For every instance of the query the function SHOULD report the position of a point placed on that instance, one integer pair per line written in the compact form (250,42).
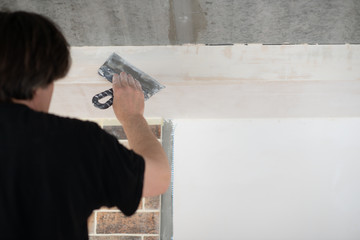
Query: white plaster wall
(267,179)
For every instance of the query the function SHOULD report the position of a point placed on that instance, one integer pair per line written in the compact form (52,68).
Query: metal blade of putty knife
(115,65)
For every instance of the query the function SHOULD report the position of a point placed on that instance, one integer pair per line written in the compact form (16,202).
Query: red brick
(151,238)
(139,223)
(152,202)
(114,238)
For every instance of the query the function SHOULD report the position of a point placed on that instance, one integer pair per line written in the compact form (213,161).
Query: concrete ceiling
(173,22)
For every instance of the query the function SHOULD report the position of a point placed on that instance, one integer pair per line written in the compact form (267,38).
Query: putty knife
(116,64)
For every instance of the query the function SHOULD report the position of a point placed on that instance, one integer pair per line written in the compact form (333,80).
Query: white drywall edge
(224,81)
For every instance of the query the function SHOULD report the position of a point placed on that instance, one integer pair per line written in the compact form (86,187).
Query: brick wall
(110,223)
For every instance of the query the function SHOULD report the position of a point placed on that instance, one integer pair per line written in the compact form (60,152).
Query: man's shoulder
(75,125)
(18,116)
(20,123)
(69,120)
(79,137)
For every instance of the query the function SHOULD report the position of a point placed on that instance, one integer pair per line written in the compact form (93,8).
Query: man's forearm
(129,109)
(144,143)
(141,139)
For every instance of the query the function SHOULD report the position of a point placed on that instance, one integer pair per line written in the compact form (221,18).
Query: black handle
(101,95)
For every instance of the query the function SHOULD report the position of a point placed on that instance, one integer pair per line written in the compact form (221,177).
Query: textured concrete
(163,22)
(99,23)
(281,21)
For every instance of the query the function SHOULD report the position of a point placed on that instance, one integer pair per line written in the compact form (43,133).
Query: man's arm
(128,106)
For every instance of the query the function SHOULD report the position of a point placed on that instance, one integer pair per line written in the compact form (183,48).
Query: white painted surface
(225,81)
(267,179)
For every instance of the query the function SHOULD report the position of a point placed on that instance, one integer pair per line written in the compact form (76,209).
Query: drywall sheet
(259,179)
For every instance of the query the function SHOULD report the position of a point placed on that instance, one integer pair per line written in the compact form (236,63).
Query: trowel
(115,65)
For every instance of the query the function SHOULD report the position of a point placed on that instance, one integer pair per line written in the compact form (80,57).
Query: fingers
(126,80)
(116,80)
(138,85)
(131,81)
(134,83)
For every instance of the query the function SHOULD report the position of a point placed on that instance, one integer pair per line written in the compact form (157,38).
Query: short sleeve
(121,174)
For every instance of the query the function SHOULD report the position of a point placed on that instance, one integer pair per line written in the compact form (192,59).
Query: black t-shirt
(54,171)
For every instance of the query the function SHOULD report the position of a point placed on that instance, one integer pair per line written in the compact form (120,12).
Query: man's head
(33,54)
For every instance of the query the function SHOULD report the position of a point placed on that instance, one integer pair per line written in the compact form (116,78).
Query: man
(55,171)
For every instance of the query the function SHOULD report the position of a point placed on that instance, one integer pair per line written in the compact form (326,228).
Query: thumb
(116,80)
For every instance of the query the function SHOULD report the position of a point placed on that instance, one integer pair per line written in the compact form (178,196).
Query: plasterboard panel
(267,179)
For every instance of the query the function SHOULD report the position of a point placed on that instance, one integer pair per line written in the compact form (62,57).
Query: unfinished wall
(240,81)
(296,153)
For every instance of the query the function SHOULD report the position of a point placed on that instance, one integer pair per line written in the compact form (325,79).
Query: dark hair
(33,54)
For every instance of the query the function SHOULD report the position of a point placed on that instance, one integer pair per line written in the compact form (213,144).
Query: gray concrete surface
(281,21)
(163,22)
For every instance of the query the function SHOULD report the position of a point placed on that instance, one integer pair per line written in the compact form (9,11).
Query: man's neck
(27,103)
(41,99)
